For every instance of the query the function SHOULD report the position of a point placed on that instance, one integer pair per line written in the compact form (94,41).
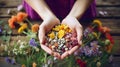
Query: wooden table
(108,11)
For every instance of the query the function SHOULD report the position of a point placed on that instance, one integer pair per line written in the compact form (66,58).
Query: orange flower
(23,65)
(34,64)
(109,48)
(35,28)
(11,23)
(21,16)
(104,29)
(14,18)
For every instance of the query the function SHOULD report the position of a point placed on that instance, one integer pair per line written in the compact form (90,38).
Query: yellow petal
(51,35)
(61,33)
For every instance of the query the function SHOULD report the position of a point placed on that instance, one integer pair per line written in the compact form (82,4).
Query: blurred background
(108,11)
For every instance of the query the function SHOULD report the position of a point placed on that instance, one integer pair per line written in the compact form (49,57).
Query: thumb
(79,35)
(41,35)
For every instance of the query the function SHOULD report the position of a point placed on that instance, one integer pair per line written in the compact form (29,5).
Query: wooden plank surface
(10,3)
(102,12)
(108,2)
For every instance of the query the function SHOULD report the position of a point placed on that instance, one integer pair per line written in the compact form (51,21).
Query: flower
(107,42)
(0,30)
(98,22)
(98,64)
(23,65)
(24,25)
(95,34)
(10,60)
(104,29)
(109,48)
(51,35)
(32,42)
(87,31)
(22,28)
(81,63)
(35,28)
(11,23)
(14,18)
(108,36)
(111,58)
(20,7)
(61,33)
(21,16)
(34,64)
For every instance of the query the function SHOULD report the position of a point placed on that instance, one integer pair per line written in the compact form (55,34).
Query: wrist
(51,18)
(74,16)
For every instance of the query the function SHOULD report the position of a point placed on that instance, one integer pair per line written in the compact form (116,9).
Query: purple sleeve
(61,8)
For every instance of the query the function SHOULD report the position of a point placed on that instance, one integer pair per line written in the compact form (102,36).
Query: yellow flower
(21,29)
(95,34)
(68,30)
(61,33)
(24,25)
(34,64)
(98,64)
(62,27)
(51,35)
(98,22)
(55,29)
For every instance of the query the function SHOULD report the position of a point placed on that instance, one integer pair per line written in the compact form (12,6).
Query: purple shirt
(61,8)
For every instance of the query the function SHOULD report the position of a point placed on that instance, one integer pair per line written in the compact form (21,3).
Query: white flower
(6,48)
(19,41)
(22,46)
(37,49)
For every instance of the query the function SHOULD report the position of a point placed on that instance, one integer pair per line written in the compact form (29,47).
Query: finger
(45,48)
(55,54)
(41,35)
(79,34)
(65,54)
(73,50)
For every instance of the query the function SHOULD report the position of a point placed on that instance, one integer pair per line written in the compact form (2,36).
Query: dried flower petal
(51,35)
(61,33)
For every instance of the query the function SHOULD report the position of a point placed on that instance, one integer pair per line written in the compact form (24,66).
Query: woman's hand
(76,27)
(44,28)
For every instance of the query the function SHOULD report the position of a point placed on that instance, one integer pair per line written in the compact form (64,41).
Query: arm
(77,11)
(49,20)
(41,8)
(79,8)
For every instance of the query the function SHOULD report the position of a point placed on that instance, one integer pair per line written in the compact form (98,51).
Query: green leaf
(9,32)
(1,22)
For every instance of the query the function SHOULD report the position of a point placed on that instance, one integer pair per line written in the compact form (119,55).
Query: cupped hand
(44,28)
(76,27)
